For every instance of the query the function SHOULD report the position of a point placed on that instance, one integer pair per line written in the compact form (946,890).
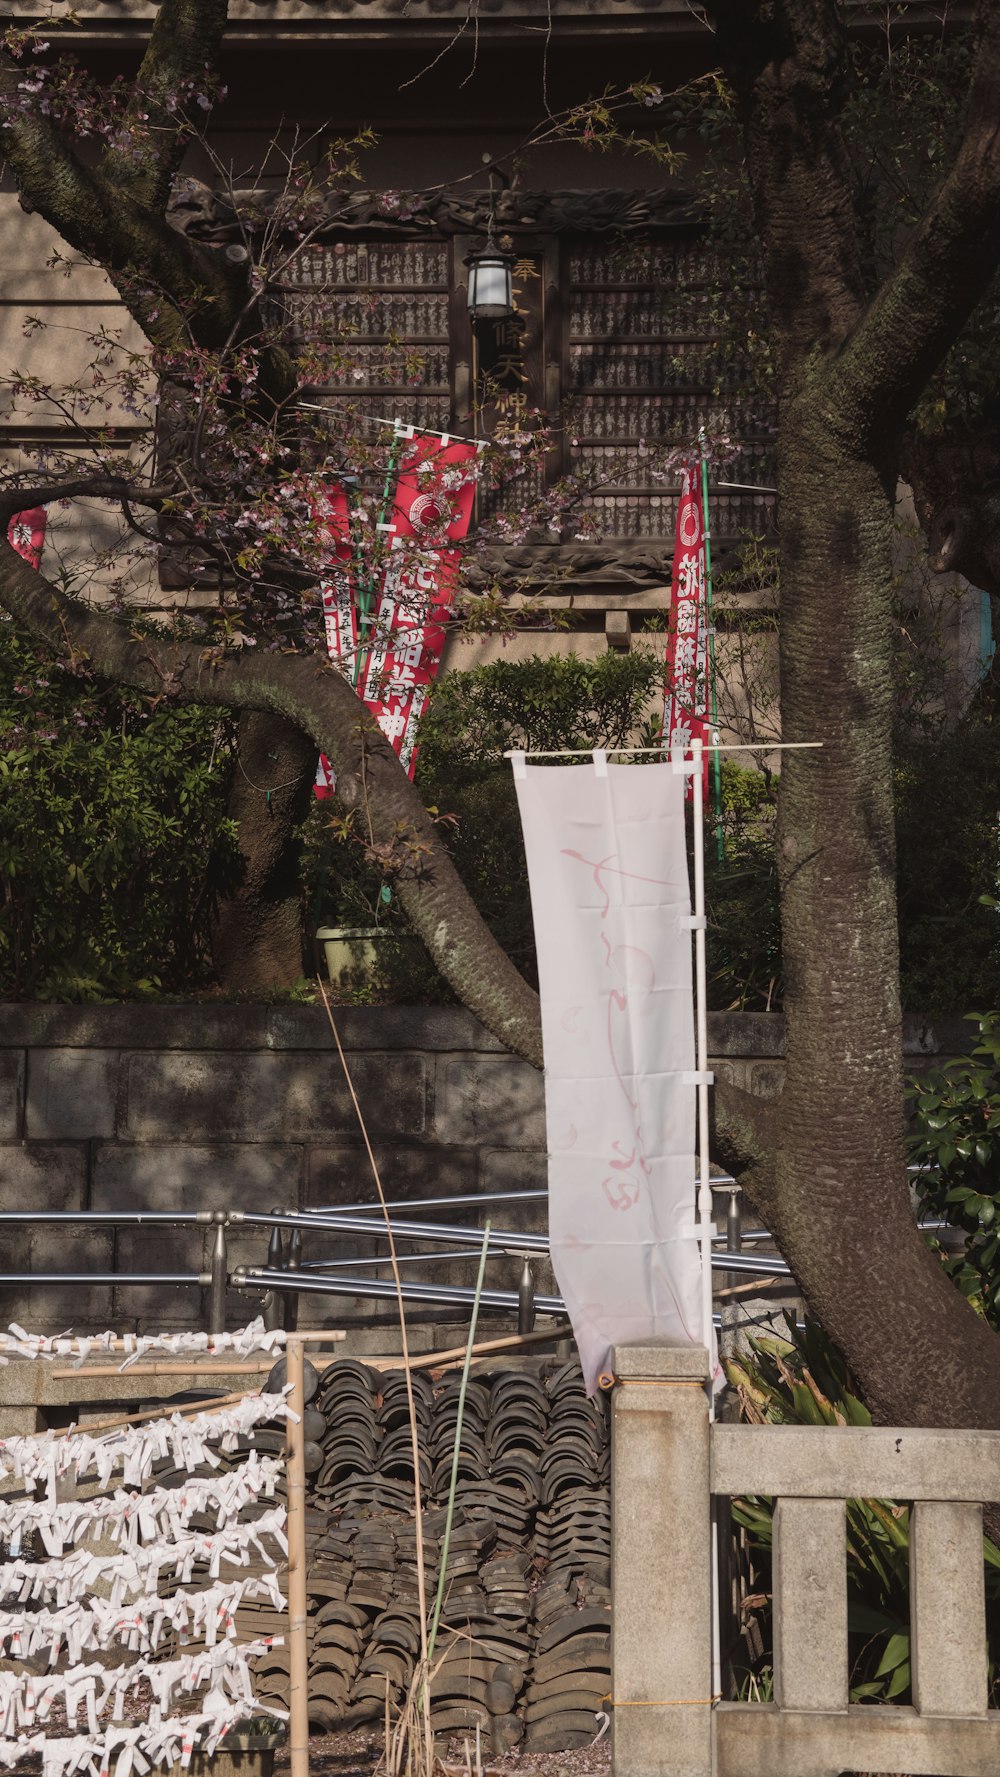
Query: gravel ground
(360,1753)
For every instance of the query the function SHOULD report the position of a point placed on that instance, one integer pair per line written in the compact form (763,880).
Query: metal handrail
(107,1278)
(132,1218)
(285,1275)
(385,1289)
(445,1232)
(215,1279)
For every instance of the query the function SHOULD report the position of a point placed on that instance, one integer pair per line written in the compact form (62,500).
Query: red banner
(686,694)
(336,591)
(26,534)
(430,514)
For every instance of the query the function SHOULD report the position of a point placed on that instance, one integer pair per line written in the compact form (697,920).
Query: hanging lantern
(491,283)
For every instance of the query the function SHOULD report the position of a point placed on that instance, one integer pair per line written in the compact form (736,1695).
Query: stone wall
(245,1106)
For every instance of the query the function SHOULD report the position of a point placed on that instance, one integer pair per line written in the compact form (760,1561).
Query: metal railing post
(220,1274)
(293,1262)
(734,1221)
(526,1299)
(274,1303)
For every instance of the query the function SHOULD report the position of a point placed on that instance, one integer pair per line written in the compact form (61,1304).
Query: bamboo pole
(744,1289)
(246,1367)
(432,1360)
(298,1643)
(164,1411)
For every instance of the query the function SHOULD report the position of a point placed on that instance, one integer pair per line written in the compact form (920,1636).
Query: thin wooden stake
(298,1633)
(215,1404)
(418,1509)
(433,1360)
(217,1367)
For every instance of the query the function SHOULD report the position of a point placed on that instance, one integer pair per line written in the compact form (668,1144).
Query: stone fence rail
(667,1463)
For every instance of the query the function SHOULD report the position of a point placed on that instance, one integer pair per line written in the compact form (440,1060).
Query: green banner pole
(720,843)
(365,588)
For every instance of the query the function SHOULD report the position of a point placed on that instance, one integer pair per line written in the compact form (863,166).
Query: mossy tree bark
(832,1179)
(257,940)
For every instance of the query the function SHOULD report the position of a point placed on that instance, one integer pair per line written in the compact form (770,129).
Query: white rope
(26,1698)
(95,1623)
(164,1513)
(254,1337)
(60,1580)
(131,1748)
(43,1459)
(155,1540)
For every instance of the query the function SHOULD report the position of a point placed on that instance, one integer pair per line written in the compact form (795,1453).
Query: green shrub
(114,840)
(955,1140)
(471,719)
(548,705)
(947,818)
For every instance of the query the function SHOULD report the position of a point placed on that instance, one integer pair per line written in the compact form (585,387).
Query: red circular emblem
(425,511)
(690,523)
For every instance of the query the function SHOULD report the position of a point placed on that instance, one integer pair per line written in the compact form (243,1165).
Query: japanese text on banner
(430,515)
(686,693)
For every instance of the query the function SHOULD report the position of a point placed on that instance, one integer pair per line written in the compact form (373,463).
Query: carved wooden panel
(376,315)
(615,340)
(643,370)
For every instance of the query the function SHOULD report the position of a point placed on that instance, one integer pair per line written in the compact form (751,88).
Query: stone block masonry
(245,1107)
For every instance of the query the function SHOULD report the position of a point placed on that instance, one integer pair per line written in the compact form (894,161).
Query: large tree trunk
(257,936)
(851,362)
(841,1209)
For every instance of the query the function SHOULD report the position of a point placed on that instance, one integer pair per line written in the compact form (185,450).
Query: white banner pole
(706,1217)
(298,1645)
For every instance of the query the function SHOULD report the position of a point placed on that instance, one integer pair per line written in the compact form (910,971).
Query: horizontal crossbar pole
(447,1234)
(132,1218)
(855,1462)
(31,1279)
(474,1198)
(510,1240)
(446,1295)
(760,1740)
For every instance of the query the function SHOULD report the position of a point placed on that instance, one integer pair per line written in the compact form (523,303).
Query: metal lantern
(491,284)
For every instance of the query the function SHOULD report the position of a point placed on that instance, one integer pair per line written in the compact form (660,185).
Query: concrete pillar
(947,1609)
(661,1562)
(810,1604)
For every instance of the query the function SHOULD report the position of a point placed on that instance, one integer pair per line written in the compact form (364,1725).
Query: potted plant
(351,954)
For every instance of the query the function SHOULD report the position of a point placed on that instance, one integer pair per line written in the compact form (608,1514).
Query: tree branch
(787,64)
(947,267)
(181,56)
(313,696)
(743,1139)
(95,487)
(184,289)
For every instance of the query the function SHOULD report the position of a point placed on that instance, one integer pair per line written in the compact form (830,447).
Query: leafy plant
(955,1140)
(548,705)
(114,840)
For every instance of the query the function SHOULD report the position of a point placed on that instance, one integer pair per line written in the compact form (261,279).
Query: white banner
(607,865)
